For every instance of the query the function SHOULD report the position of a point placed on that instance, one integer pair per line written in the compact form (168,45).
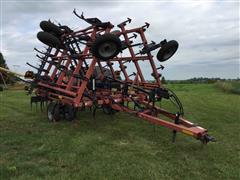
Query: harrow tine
(161,67)
(145,26)
(44,53)
(133,74)
(39,51)
(31,65)
(44,70)
(125,62)
(51,62)
(133,36)
(138,44)
(40,57)
(124,23)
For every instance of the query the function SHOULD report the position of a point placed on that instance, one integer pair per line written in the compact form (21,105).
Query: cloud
(207,32)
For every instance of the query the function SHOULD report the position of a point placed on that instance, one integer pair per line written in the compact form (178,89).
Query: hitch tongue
(207,138)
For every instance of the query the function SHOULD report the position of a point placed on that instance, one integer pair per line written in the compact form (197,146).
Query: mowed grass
(120,146)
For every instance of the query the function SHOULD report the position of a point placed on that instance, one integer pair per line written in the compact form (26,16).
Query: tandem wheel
(57,112)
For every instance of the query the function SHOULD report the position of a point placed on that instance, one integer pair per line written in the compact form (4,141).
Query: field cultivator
(88,68)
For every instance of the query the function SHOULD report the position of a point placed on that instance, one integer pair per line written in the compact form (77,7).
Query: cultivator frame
(78,70)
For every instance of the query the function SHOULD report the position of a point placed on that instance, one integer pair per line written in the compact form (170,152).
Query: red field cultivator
(88,68)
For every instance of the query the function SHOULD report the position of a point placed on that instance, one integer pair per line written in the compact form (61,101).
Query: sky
(207,31)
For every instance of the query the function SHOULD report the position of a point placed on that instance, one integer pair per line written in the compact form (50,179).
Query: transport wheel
(106,46)
(49,39)
(108,110)
(29,75)
(167,50)
(53,112)
(51,28)
(69,112)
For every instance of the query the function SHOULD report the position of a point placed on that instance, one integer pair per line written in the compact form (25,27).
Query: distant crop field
(120,146)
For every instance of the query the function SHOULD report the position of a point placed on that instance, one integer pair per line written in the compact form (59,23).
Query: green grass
(120,146)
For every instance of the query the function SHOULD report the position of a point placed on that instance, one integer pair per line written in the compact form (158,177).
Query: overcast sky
(207,31)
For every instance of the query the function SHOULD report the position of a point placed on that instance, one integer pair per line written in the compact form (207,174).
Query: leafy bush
(229,86)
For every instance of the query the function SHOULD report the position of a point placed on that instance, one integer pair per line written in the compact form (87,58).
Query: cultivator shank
(101,67)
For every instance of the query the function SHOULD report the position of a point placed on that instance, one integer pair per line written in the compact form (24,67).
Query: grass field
(120,146)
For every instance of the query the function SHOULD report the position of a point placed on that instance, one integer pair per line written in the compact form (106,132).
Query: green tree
(3,61)
(3,78)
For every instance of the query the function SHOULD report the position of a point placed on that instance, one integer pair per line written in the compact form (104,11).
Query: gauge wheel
(69,113)
(167,50)
(50,27)
(49,39)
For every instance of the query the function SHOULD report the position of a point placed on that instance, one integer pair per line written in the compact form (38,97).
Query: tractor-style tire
(53,112)
(51,28)
(49,39)
(167,50)
(106,46)
(108,110)
(69,113)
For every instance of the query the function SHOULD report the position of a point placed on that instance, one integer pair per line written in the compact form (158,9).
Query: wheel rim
(50,111)
(50,115)
(107,49)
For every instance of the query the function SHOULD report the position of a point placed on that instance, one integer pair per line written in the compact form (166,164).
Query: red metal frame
(67,87)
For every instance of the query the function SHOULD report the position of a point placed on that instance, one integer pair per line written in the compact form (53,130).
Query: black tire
(106,46)
(51,28)
(69,113)
(53,112)
(57,113)
(49,39)
(29,75)
(167,50)
(108,110)
(116,32)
